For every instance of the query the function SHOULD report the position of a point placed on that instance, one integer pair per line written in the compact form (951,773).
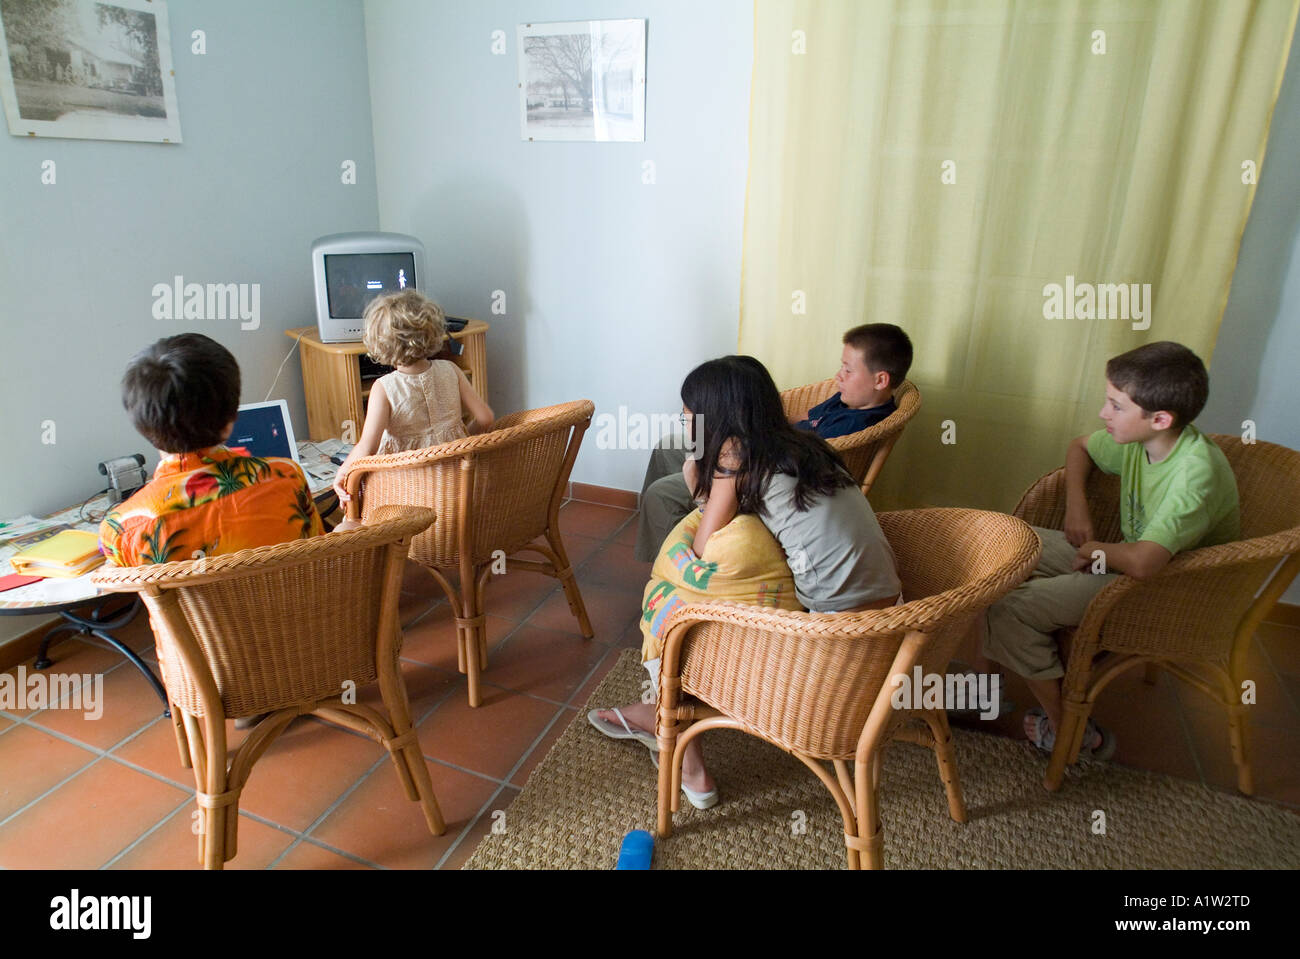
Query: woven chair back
(808,681)
(512,475)
(857,450)
(278,625)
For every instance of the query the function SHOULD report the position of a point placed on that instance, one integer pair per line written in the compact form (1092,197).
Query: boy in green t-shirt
(1177,492)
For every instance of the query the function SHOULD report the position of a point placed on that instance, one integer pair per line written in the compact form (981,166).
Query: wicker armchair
(281,630)
(818,684)
(495,494)
(864,452)
(1200,611)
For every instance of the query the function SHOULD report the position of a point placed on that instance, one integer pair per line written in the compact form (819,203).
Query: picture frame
(582,80)
(88,69)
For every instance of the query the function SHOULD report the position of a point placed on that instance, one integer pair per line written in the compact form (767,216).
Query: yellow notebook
(66,554)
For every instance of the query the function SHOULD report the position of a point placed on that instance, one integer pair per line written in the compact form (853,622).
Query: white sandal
(699,800)
(625,731)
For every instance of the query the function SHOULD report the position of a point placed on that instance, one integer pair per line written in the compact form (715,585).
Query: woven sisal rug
(774,814)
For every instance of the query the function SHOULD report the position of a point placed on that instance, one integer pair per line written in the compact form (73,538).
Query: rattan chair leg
(570,584)
(210,777)
(419,771)
(666,734)
(945,756)
(468,638)
(870,831)
(178,727)
(1069,740)
(1237,736)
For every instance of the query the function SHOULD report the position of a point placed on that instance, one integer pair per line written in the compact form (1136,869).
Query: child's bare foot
(639,716)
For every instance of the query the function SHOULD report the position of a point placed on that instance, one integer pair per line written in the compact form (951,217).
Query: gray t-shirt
(837,552)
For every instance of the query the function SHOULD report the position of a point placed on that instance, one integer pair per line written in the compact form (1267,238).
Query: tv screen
(354,279)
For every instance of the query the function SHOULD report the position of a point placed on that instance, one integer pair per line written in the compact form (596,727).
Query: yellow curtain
(940,165)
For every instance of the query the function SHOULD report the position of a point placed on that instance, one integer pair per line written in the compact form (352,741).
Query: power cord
(282,363)
(81,513)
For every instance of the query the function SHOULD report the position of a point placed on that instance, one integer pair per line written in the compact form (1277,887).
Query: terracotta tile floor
(111,793)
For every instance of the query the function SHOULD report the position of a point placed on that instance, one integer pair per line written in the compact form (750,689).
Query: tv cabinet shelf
(331,378)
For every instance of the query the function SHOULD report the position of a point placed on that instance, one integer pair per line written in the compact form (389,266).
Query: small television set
(351,269)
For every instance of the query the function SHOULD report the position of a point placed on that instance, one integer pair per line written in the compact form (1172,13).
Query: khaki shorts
(664,500)
(1021,626)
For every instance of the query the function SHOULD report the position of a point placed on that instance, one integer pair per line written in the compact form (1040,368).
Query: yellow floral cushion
(742,563)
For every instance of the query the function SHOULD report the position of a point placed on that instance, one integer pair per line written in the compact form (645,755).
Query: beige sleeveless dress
(425,408)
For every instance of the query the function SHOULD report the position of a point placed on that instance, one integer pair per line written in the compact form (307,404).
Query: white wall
(267,116)
(615,289)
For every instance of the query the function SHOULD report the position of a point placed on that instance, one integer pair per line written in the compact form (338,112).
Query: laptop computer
(264,429)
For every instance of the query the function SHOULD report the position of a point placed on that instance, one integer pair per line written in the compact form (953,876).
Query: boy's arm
(1140,560)
(1178,522)
(471,401)
(1078,464)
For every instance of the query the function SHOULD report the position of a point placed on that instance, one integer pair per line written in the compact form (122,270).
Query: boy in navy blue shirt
(873,363)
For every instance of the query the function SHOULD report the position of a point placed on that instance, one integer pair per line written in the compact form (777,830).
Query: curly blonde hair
(403,328)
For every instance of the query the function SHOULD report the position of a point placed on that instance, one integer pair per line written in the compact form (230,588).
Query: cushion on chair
(742,563)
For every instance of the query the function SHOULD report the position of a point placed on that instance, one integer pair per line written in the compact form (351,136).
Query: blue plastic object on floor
(638,847)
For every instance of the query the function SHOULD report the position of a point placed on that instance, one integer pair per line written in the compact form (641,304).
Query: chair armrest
(1154,592)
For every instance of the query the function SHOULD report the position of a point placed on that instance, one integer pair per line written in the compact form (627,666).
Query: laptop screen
(264,429)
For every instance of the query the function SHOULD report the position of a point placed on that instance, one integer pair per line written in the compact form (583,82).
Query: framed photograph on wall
(89,69)
(582,80)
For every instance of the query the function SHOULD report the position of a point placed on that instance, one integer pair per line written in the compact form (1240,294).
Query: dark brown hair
(883,346)
(1162,376)
(182,392)
(734,398)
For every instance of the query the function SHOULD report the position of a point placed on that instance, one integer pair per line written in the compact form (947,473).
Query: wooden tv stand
(331,378)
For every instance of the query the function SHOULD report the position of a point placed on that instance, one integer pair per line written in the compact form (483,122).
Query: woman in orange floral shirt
(204,500)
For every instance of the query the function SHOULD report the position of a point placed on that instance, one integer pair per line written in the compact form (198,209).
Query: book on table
(69,553)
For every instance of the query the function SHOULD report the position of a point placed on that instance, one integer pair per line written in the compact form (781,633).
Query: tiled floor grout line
(149,832)
(51,671)
(319,844)
(469,827)
(63,782)
(535,743)
(330,809)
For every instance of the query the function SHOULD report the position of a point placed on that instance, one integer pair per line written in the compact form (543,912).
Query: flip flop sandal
(699,800)
(1040,732)
(1038,729)
(1105,747)
(623,731)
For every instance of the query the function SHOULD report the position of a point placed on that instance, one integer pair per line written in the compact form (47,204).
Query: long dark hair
(734,398)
